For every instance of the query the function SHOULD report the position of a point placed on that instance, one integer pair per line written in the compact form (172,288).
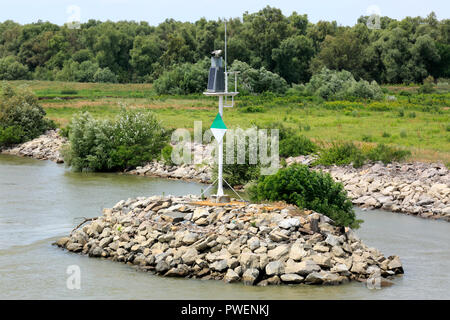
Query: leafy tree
(263,31)
(406,50)
(11,69)
(292,58)
(341,52)
(21,116)
(146,51)
(183,79)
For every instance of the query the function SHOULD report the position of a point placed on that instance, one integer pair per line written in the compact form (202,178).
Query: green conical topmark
(218,123)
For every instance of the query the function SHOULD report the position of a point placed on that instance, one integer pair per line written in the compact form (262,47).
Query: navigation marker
(218,128)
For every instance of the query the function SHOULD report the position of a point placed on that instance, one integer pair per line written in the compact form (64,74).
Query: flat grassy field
(418,122)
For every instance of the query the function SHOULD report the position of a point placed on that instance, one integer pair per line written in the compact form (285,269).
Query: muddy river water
(41,201)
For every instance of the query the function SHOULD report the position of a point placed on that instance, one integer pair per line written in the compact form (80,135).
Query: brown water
(41,201)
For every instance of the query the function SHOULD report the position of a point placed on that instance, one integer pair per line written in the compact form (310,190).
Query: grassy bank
(419,122)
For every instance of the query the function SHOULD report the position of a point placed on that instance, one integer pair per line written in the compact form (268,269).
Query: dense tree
(11,69)
(268,41)
(341,52)
(145,53)
(292,58)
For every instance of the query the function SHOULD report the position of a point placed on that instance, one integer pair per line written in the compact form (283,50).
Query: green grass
(425,134)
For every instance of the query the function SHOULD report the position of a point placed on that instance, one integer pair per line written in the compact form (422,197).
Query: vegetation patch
(22,118)
(131,139)
(317,191)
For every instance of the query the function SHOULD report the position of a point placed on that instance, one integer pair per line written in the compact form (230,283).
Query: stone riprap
(421,189)
(44,147)
(257,244)
(200,172)
(189,172)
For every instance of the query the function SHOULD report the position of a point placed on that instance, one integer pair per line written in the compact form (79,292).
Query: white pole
(220,179)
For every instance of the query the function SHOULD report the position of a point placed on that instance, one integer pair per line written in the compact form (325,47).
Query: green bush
(341,85)
(166,155)
(11,135)
(308,189)
(105,75)
(387,154)
(342,154)
(296,145)
(258,81)
(427,86)
(76,71)
(21,115)
(131,139)
(11,69)
(184,79)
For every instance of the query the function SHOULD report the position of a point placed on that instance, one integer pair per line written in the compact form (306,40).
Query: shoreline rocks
(44,147)
(420,189)
(189,172)
(233,242)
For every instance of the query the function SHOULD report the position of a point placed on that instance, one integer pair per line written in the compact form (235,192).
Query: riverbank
(258,244)
(420,189)
(44,147)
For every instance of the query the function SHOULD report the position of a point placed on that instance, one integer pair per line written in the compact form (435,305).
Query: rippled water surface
(41,201)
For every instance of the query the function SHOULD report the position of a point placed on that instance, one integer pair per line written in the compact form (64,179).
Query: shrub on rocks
(296,145)
(349,153)
(341,154)
(292,144)
(22,118)
(308,189)
(130,140)
(387,154)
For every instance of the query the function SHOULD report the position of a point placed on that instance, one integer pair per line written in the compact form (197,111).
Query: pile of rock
(421,189)
(258,244)
(189,172)
(44,147)
(415,188)
(199,171)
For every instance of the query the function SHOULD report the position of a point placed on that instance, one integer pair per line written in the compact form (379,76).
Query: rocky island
(257,244)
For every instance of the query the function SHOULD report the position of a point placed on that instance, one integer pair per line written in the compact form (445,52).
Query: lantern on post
(218,86)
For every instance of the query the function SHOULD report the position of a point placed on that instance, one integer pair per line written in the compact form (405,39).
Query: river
(41,201)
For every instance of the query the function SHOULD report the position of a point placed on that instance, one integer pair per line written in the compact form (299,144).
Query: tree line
(292,47)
